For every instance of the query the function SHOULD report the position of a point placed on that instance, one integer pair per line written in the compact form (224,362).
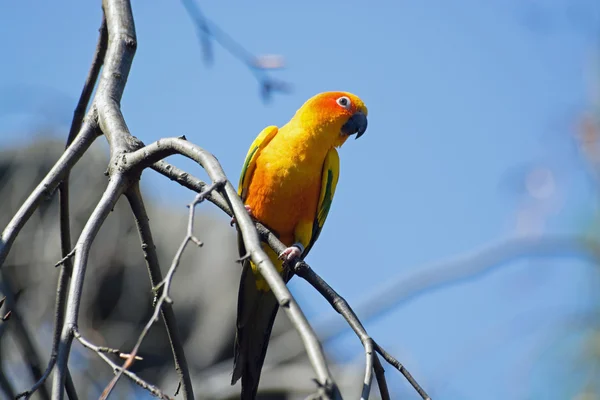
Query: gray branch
(48,185)
(117,369)
(141,217)
(115,189)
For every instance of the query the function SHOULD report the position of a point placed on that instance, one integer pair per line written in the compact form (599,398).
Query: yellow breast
(285,186)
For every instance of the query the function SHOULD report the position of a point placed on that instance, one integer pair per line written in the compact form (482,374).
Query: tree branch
(380,376)
(116,186)
(370,355)
(49,184)
(164,285)
(190,182)
(117,369)
(122,44)
(205,30)
(142,221)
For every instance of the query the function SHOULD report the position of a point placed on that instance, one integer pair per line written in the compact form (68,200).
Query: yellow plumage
(288,180)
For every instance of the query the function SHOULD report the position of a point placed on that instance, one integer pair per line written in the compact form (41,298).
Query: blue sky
(463,97)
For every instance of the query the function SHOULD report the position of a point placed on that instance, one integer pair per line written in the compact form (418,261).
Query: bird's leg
(233,221)
(292,253)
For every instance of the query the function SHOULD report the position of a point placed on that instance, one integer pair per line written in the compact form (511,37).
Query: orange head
(337,115)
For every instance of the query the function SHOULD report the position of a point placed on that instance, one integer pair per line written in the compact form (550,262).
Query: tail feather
(255,317)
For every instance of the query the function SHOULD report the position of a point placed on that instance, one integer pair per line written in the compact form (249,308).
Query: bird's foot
(233,221)
(292,253)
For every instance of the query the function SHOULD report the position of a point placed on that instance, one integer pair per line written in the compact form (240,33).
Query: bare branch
(90,82)
(370,355)
(49,184)
(341,306)
(164,286)
(396,364)
(117,369)
(141,217)
(116,186)
(381,382)
(190,182)
(206,30)
(122,44)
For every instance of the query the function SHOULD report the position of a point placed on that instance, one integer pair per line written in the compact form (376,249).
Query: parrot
(287,183)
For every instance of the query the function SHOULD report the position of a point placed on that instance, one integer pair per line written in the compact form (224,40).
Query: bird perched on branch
(287,183)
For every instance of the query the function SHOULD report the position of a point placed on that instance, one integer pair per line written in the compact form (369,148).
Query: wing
(329,180)
(259,143)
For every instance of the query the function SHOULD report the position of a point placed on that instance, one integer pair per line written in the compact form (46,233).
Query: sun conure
(287,183)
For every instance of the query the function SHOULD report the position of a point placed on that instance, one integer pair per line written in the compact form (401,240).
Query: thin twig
(380,376)
(117,369)
(116,186)
(165,285)
(190,182)
(396,364)
(110,350)
(138,208)
(342,307)
(206,29)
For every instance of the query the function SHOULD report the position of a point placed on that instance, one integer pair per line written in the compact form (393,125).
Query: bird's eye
(344,102)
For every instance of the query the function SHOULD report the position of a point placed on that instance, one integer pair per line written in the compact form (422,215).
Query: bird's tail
(255,317)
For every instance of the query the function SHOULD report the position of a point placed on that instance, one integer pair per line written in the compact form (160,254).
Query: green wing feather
(329,180)
(259,143)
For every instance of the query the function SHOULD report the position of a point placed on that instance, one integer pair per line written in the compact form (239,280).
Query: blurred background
(474,258)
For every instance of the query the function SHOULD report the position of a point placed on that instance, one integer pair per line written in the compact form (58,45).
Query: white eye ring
(344,102)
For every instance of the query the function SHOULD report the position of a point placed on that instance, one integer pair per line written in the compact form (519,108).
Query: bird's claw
(233,221)
(291,253)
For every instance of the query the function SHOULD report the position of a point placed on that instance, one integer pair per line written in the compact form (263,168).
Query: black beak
(356,124)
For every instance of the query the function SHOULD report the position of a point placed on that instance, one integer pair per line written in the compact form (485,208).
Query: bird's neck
(306,145)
